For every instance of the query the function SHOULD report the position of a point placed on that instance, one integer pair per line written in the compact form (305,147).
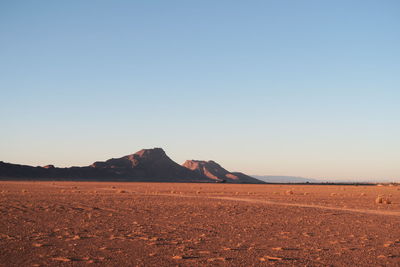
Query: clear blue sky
(308,88)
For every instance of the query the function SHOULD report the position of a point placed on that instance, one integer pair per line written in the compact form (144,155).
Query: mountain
(214,171)
(147,165)
(285,179)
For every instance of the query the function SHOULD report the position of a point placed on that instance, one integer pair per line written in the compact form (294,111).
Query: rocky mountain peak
(153,153)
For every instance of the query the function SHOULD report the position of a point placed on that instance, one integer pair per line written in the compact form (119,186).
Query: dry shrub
(121,191)
(379,200)
(383,199)
(289,192)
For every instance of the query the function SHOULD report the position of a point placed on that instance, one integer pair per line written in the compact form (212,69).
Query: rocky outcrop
(49,166)
(214,171)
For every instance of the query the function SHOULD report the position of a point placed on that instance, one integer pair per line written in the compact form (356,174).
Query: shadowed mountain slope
(151,164)
(214,171)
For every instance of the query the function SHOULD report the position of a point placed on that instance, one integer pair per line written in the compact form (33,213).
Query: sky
(306,88)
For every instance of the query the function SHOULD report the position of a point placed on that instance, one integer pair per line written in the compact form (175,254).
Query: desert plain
(178,224)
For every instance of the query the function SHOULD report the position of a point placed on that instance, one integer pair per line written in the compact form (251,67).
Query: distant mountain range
(150,165)
(285,179)
(275,179)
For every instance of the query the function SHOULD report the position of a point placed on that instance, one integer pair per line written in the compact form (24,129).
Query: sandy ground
(165,224)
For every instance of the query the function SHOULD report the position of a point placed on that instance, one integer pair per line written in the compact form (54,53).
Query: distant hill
(214,171)
(152,165)
(285,179)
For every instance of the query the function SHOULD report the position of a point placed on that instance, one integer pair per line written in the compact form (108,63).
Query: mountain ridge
(214,171)
(146,165)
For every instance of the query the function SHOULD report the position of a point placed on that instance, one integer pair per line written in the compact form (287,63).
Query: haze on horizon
(308,88)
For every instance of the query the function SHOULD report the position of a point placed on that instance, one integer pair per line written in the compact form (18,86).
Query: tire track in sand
(299,205)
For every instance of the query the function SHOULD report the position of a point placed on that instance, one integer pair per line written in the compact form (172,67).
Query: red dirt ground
(164,224)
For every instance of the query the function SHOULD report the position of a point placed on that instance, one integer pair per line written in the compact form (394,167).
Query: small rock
(61,259)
